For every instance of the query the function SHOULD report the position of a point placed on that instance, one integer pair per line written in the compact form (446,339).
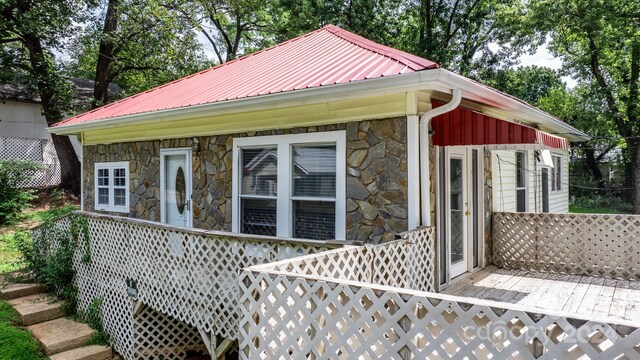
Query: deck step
(13,291)
(59,335)
(37,308)
(91,352)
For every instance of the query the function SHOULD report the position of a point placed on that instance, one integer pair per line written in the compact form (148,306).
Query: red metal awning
(467,127)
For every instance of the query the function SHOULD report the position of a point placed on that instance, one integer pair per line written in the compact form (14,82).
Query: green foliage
(50,256)
(600,204)
(530,83)
(155,45)
(10,256)
(15,343)
(93,317)
(14,199)
(599,44)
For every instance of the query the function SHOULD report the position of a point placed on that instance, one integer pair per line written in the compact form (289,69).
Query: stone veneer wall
(376,176)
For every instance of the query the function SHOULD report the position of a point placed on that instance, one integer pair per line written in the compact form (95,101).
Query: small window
(112,186)
(291,185)
(521,181)
(556,174)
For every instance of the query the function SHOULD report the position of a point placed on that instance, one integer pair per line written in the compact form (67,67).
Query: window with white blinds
(290,185)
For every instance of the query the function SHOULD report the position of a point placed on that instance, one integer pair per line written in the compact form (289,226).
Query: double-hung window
(521,181)
(556,174)
(112,186)
(290,185)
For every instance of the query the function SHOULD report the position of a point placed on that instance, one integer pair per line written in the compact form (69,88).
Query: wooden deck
(584,295)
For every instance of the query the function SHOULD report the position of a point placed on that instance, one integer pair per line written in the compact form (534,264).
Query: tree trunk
(106,56)
(49,84)
(592,166)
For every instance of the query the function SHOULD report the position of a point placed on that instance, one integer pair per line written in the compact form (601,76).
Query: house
(23,128)
(318,138)
(325,139)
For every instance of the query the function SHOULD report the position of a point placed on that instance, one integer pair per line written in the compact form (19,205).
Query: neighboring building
(320,137)
(23,128)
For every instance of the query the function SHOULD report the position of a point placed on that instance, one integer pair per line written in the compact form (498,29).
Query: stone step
(13,291)
(56,336)
(37,308)
(91,352)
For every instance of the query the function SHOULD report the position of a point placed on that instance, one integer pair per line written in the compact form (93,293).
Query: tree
(530,83)
(599,43)
(29,32)
(466,36)
(137,44)
(232,27)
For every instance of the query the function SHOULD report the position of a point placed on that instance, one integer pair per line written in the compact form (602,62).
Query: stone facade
(376,176)
(376,179)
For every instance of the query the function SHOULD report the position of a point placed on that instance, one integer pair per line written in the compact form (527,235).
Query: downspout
(425,176)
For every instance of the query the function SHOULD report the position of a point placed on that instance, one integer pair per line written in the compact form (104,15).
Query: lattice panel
(41,151)
(188,275)
(158,336)
(579,244)
(291,317)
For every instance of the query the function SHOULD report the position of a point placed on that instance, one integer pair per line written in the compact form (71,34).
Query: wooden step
(13,291)
(59,335)
(37,308)
(91,352)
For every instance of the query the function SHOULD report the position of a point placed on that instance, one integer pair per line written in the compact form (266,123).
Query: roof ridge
(413,61)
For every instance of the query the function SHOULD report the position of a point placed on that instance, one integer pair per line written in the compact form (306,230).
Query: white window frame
(285,198)
(525,174)
(556,173)
(111,206)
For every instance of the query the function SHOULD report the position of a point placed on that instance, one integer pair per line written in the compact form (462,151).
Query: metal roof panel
(326,56)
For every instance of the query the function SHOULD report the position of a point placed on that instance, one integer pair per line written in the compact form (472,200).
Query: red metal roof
(326,56)
(466,127)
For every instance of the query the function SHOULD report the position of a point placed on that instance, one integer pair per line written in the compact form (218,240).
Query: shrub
(13,199)
(50,256)
(597,201)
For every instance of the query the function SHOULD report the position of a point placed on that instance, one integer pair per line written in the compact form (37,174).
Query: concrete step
(13,291)
(59,335)
(91,352)
(37,308)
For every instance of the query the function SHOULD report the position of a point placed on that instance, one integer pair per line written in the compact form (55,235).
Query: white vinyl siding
(504,182)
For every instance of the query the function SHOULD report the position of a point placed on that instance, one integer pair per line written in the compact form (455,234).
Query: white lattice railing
(579,244)
(309,307)
(187,274)
(41,151)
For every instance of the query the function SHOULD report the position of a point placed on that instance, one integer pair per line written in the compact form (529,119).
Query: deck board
(583,295)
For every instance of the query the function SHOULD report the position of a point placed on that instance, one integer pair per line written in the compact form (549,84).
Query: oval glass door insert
(181,190)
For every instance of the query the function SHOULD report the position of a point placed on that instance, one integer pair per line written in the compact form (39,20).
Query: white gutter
(425,176)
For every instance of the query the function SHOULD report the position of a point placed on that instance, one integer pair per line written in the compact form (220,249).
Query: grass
(15,342)
(9,254)
(596,210)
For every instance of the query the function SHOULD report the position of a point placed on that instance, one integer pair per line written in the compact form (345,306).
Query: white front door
(175,184)
(457,210)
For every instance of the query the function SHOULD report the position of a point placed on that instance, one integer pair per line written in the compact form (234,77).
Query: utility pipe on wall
(425,176)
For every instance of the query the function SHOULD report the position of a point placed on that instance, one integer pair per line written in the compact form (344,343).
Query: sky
(543,57)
